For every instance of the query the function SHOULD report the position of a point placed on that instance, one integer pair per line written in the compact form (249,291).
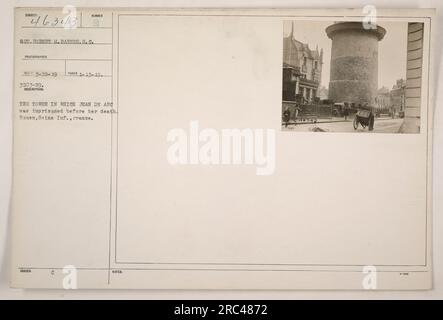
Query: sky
(391,50)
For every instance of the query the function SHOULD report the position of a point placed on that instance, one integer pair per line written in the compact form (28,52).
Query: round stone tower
(354,62)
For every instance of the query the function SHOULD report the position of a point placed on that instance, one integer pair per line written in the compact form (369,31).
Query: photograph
(352,76)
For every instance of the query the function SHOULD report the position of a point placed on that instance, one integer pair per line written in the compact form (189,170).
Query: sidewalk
(331,120)
(321,120)
(382,125)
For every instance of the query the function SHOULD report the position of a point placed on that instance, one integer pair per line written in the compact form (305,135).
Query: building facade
(413,88)
(398,97)
(383,100)
(301,70)
(392,101)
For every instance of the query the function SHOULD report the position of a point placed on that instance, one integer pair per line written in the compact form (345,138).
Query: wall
(354,67)
(413,78)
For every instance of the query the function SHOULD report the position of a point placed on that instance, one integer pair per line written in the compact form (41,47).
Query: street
(381,125)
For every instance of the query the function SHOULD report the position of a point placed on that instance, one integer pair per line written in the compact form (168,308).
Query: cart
(365,118)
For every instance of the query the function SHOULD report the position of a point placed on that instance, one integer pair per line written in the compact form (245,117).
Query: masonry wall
(354,67)
(413,78)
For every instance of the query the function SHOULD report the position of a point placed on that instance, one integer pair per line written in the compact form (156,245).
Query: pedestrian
(296,111)
(371,121)
(286,116)
(346,113)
